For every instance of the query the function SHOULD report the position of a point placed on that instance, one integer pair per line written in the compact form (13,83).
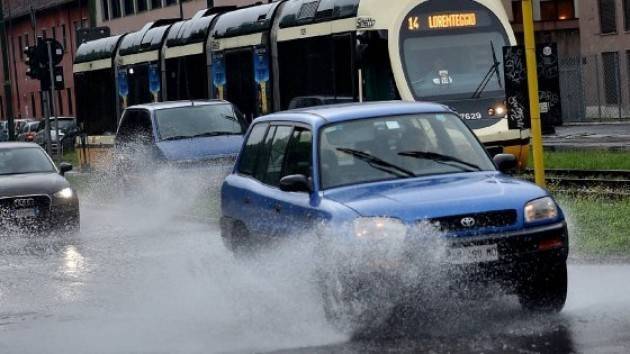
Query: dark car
(181,132)
(28,132)
(313,101)
(4,131)
(68,130)
(393,190)
(34,193)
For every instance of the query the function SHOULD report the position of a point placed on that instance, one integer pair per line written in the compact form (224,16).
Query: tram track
(614,183)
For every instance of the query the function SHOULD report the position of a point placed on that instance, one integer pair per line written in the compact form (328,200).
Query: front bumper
(422,263)
(63,216)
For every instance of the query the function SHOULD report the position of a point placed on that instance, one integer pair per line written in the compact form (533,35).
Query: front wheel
(545,290)
(353,307)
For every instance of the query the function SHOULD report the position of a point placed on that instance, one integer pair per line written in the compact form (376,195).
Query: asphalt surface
(143,279)
(606,135)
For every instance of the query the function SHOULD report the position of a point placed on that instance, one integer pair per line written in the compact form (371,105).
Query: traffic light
(34,63)
(38,62)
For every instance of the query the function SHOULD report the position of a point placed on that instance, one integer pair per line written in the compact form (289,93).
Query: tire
(545,290)
(354,309)
(236,239)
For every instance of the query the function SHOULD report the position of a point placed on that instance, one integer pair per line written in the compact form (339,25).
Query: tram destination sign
(445,21)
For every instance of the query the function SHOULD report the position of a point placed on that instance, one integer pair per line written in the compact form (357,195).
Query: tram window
(377,70)
(325,68)
(115,9)
(186,78)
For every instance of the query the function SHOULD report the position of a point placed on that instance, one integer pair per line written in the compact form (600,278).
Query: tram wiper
(444,159)
(494,70)
(378,163)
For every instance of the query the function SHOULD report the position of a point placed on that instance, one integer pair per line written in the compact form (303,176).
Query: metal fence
(594,88)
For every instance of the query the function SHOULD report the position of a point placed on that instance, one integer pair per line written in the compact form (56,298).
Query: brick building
(130,15)
(57,19)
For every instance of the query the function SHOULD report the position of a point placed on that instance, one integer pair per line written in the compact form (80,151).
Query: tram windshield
(453,52)
(454,64)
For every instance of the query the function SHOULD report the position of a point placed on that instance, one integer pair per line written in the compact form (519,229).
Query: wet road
(142,279)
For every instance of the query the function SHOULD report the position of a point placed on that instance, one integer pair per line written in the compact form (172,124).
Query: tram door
(138,80)
(186,78)
(240,86)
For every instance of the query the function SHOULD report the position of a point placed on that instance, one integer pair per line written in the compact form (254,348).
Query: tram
(267,57)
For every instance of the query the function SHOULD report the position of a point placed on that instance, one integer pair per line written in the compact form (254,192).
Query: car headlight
(65,193)
(540,210)
(379,229)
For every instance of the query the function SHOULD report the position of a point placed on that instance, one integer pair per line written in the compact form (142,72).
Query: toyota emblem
(468,222)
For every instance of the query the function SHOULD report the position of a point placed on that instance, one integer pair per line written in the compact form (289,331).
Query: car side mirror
(295,183)
(506,163)
(64,167)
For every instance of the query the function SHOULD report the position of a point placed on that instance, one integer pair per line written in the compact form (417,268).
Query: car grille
(39,202)
(499,218)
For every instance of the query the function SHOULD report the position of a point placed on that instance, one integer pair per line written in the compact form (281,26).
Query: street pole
(181,10)
(6,74)
(534,103)
(51,71)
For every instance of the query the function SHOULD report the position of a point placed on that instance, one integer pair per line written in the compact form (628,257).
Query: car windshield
(386,148)
(197,121)
(24,160)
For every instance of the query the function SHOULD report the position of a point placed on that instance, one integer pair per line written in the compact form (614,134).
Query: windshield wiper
(494,70)
(219,133)
(444,159)
(378,163)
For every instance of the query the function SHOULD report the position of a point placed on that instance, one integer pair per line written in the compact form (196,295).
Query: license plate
(472,254)
(25,213)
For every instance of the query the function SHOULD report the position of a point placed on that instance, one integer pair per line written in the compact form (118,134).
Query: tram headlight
(498,111)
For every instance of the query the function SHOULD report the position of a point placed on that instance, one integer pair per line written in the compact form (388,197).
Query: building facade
(123,16)
(57,19)
(605,41)
(555,21)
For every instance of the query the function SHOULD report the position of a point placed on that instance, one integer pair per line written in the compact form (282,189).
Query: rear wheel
(236,239)
(545,290)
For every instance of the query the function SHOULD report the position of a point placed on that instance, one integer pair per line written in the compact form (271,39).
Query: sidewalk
(608,135)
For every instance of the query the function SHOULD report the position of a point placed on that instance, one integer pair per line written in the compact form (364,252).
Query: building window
(70,107)
(517,11)
(115,4)
(156,4)
(60,102)
(607,16)
(610,61)
(64,39)
(142,6)
(626,14)
(33,113)
(128,7)
(105,9)
(20,48)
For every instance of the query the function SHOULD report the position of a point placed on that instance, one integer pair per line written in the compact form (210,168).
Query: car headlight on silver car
(379,228)
(540,210)
(65,193)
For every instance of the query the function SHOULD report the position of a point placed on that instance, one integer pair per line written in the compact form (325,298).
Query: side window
(135,127)
(276,155)
(251,150)
(298,160)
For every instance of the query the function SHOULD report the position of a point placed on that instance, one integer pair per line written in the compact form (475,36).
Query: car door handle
(247,200)
(277,208)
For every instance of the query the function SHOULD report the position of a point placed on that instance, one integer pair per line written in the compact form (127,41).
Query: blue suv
(366,179)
